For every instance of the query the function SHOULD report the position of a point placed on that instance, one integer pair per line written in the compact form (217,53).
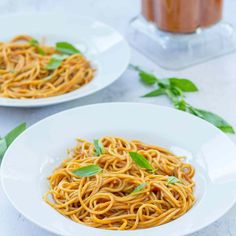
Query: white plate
(36,152)
(102,45)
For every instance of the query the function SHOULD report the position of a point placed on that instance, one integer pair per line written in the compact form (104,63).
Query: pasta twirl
(123,196)
(24,73)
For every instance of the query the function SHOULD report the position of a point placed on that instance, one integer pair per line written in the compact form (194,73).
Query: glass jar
(182,16)
(176,34)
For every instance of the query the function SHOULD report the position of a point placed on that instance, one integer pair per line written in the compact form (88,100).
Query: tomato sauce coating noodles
(24,73)
(123,195)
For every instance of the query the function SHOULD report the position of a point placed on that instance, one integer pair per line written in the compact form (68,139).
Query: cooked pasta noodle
(108,200)
(23,72)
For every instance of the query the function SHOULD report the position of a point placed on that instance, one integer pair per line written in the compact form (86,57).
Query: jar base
(177,51)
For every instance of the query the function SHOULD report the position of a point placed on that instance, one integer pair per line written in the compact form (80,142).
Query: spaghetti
(123,196)
(24,73)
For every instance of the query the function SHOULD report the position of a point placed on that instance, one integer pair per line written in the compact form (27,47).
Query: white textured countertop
(216,81)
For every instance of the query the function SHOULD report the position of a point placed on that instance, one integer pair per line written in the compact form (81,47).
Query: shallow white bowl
(36,152)
(102,45)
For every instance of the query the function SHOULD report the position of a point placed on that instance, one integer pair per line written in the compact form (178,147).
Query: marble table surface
(216,80)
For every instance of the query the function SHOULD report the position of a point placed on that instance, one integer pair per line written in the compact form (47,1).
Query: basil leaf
(183,84)
(53,64)
(99,149)
(139,188)
(55,61)
(141,161)
(213,119)
(66,48)
(172,180)
(12,135)
(41,51)
(33,42)
(3,147)
(58,57)
(89,170)
(155,93)
(147,78)
(6,141)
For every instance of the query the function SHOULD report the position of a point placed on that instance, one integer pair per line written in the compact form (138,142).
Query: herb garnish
(172,180)
(41,51)
(6,141)
(55,61)
(35,43)
(66,48)
(174,89)
(139,188)
(89,170)
(141,161)
(99,149)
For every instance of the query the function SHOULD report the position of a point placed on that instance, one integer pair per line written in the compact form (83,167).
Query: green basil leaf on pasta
(139,188)
(33,42)
(55,61)
(59,57)
(99,149)
(66,48)
(141,161)
(172,180)
(89,170)
(41,51)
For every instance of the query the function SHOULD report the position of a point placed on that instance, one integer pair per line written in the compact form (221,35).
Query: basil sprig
(6,141)
(99,149)
(174,89)
(141,161)
(89,170)
(139,188)
(172,180)
(66,48)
